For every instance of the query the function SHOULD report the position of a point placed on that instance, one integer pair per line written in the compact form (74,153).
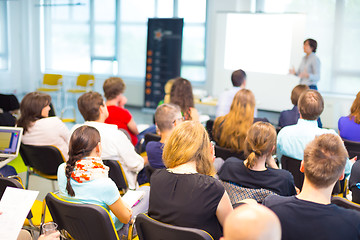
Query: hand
(353,160)
(122,101)
(297,190)
(292,71)
(303,74)
(52,236)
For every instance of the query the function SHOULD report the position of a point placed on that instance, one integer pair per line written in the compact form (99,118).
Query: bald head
(252,222)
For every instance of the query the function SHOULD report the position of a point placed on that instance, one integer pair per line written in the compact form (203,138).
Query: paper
(131,197)
(15,205)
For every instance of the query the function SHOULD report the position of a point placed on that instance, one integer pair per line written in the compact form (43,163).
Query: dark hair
(83,140)
(113,87)
(89,105)
(238,77)
(31,107)
(310,104)
(312,43)
(296,92)
(182,95)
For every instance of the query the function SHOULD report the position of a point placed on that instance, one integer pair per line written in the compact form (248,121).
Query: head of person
(189,142)
(324,160)
(230,131)
(238,78)
(34,106)
(84,141)
(296,92)
(167,116)
(92,107)
(310,104)
(252,221)
(311,44)
(181,94)
(167,89)
(260,141)
(355,109)
(113,87)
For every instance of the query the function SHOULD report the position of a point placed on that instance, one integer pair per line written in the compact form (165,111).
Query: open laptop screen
(10,138)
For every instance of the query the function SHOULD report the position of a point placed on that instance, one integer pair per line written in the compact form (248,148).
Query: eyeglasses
(178,119)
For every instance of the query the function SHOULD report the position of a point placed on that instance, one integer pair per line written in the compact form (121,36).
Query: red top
(121,117)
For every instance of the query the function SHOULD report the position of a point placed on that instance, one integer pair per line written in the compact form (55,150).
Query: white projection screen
(265,46)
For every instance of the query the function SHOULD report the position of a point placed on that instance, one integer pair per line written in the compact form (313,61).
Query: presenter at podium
(309,70)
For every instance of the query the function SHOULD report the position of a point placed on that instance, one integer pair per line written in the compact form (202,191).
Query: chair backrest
(45,159)
(85,80)
(11,182)
(151,137)
(52,79)
(151,229)
(342,202)
(237,193)
(225,153)
(209,127)
(293,166)
(355,193)
(81,221)
(353,148)
(116,173)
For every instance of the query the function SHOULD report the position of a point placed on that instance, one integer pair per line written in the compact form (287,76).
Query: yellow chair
(84,83)
(52,83)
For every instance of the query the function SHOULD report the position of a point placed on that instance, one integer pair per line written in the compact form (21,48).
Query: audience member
(252,221)
(186,194)
(39,128)
(182,95)
(354,182)
(167,90)
(84,177)
(349,126)
(253,173)
(290,117)
(310,215)
(114,88)
(238,79)
(167,116)
(116,146)
(230,131)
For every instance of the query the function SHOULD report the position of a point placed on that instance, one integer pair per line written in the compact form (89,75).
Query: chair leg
(27,178)
(53,185)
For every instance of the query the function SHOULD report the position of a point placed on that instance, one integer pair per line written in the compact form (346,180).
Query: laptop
(10,140)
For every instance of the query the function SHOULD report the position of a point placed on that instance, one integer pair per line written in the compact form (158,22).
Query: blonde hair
(167,89)
(260,141)
(230,131)
(188,142)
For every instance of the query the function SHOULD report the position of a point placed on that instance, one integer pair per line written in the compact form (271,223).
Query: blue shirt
(348,129)
(154,152)
(292,140)
(101,191)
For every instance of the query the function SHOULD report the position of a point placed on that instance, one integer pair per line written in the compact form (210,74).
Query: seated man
(116,146)
(252,221)
(238,79)
(115,100)
(310,215)
(166,118)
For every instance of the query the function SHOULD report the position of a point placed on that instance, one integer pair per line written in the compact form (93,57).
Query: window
(3,36)
(335,25)
(109,36)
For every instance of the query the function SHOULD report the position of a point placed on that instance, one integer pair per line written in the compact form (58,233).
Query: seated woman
(186,194)
(253,172)
(84,177)
(39,128)
(230,131)
(349,126)
(181,94)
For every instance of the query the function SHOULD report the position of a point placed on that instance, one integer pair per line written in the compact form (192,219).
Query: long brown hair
(182,95)
(31,107)
(355,109)
(188,142)
(230,131)
(260,140)
(82,142)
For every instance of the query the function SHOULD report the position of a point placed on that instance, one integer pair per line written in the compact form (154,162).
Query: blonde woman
(230,131)
(185,194)
(259,170)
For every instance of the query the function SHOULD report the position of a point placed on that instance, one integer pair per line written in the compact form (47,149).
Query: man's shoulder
(103,128)
(273,201)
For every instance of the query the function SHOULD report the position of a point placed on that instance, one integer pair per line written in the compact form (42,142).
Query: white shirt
(116,146)
(225,101)
(49,131)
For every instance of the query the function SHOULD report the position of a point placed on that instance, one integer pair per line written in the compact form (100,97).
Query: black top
(354,182)
(277,180)
(186,200)
(289,117)
(302,219)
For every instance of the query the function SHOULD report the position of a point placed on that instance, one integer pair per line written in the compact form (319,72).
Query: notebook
(10,140)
